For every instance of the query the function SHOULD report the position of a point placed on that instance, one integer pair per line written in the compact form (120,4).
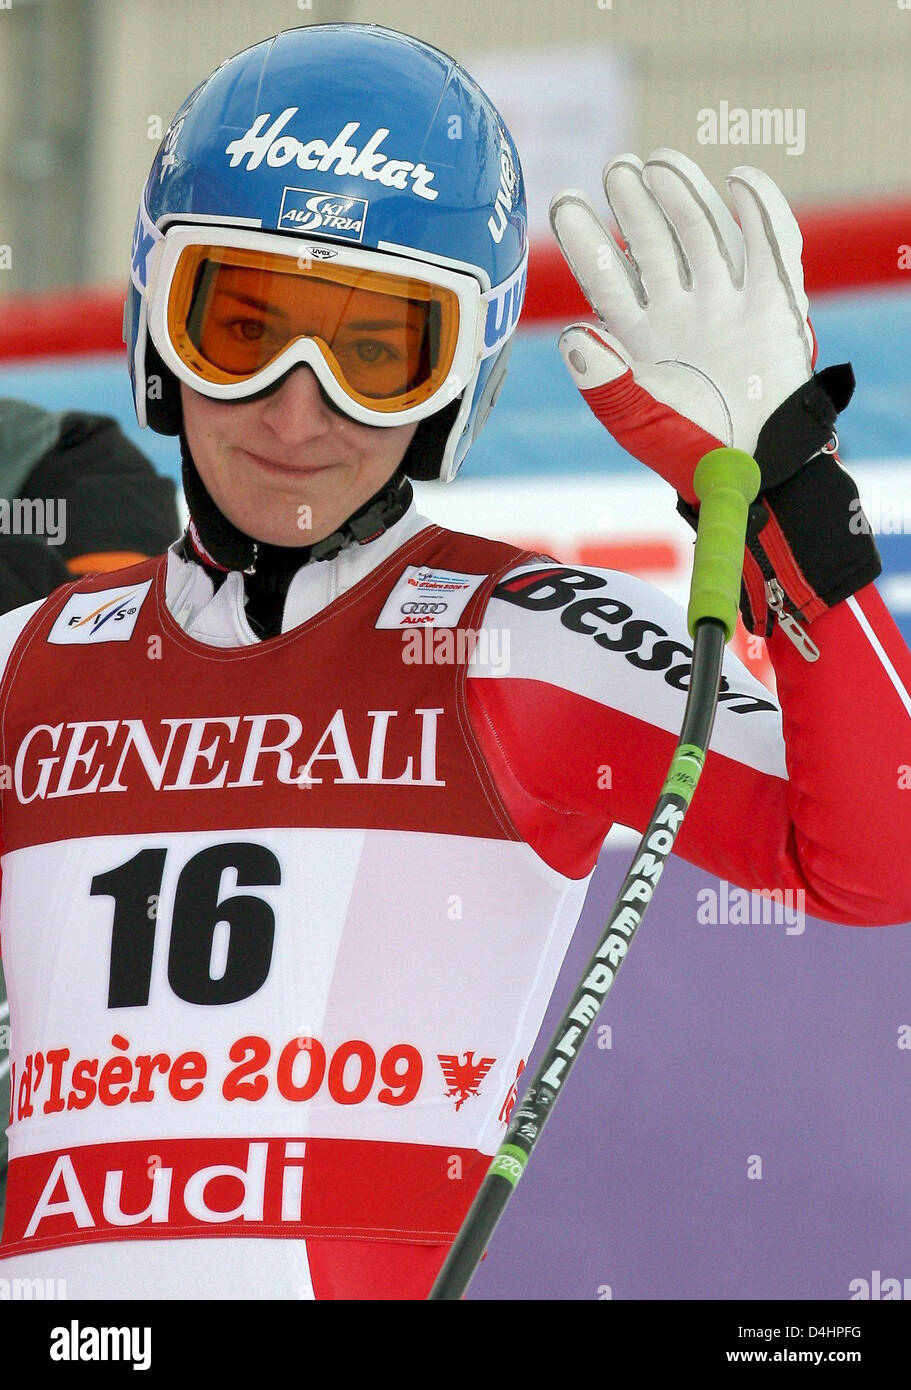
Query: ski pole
(726,481)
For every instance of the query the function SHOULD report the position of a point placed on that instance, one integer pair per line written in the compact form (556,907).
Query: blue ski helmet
(352,133)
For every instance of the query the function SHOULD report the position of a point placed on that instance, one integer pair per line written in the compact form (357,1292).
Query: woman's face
(285,468)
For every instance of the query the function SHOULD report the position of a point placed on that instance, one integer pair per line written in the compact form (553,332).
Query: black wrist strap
(803,424)
(796,431)
(831,552)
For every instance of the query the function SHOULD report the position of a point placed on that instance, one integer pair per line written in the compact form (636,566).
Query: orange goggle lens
(389,340)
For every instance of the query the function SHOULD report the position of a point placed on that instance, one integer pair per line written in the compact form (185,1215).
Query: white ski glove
(705,339)
(705,326)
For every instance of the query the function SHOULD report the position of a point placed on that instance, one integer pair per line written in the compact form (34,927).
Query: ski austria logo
(308,210)
(265,141)
(108,615)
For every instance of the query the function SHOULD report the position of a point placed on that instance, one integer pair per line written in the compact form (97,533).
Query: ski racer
(302,815)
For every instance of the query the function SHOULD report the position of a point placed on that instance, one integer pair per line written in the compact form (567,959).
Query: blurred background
(726,1041)
(83,82)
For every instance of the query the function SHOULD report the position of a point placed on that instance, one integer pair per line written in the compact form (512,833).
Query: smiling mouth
(294,470)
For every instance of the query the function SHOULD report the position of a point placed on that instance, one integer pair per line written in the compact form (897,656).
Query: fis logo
(307,210)
(108,615)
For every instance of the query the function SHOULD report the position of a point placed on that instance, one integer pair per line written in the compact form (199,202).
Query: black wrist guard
(808,543)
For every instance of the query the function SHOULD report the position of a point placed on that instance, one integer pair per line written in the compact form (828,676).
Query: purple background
(727,1041)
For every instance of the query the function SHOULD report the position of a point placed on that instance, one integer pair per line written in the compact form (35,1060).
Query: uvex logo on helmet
(267,142)
(506,193)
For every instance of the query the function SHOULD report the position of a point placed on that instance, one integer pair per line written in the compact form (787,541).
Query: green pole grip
(725,481)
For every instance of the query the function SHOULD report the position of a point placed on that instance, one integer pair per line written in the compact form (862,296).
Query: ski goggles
(391,339)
